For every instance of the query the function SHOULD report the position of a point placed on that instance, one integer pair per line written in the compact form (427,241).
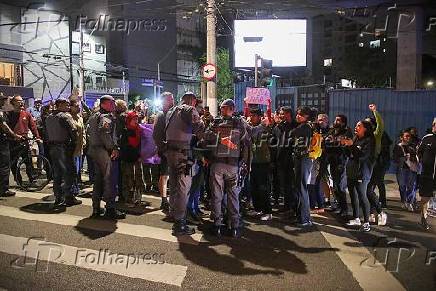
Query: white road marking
(101,225)
(369,276)
(85,201)
(142,266)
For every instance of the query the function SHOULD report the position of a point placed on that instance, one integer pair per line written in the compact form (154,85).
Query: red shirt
(24,123)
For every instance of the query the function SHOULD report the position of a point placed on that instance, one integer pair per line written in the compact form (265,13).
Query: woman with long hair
(361,150)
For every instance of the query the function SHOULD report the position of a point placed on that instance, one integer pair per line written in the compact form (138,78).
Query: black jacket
(362,159)
(128,153)
(399,154)
(427,155)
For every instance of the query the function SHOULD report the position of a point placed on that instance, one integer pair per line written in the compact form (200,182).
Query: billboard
(281,40)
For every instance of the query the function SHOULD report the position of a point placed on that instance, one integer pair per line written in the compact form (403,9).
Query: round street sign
(209,71)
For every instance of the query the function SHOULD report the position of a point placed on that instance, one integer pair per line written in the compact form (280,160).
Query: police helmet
(228,102)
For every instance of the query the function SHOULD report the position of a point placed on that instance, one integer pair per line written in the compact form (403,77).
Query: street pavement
(40,249)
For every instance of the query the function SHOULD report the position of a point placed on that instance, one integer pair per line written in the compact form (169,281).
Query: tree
(224,76)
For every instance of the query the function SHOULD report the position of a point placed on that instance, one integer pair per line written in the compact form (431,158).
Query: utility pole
(211,55)
(158,79)
(124,88)
(256,67)
(81,66)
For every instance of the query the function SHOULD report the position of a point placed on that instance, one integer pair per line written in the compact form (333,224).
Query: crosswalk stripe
(85,201)
(150,267)
(101,225)
(146,196)
(373,277)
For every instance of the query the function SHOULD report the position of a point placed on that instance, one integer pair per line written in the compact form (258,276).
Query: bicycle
(31,164)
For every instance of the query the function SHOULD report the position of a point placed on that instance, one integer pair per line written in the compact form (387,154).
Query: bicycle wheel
(33,173)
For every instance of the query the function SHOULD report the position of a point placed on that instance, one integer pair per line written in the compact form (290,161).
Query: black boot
(216,230)
(193,218)
(59,202)
(8,193)
(235,232)
(165,206)
(180,228)
(71,201)
(112,213)
(97,212)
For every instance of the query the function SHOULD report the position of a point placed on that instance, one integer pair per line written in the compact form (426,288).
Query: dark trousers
(286,179)
(259,188)
(275,183)
(151,175)
(377,180)
(303,168)
(5,166)
(316,196)
(63,171)
(359,198)
(21,150)
(103,180)
(91,168)
(339,178)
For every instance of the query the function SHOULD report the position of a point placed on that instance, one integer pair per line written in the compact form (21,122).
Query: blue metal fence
(240,89)
(400,109)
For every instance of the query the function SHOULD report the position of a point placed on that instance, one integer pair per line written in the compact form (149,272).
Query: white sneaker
(404,205)
(372,218)
(382,218)
(266,217)
(365,227)
(353,222)
(410,207)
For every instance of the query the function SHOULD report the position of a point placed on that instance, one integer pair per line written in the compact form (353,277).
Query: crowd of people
(233,164)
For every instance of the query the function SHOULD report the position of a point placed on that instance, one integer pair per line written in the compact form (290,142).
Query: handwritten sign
(257,96)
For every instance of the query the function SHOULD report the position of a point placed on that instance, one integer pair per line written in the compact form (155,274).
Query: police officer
(62,138)
(5,159)
(182,121)
(103,149)
(229,142)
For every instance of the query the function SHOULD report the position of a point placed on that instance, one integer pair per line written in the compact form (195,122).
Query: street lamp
(429,84)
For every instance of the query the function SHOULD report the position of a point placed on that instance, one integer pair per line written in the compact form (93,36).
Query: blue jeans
(316,196)
(194,192)
(63,171)
(303,168)
(78,166)
(339,177)
(407,183)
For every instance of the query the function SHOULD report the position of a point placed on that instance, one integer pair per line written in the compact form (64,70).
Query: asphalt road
(75,252)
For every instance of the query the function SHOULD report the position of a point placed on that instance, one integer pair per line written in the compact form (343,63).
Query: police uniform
(228,141)
(5,159)
(62,138)
(102,143)
(182,122)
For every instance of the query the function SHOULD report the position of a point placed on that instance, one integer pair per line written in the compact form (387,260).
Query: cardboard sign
(257,96)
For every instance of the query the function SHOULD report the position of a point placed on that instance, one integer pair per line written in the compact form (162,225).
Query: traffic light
(266,73)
